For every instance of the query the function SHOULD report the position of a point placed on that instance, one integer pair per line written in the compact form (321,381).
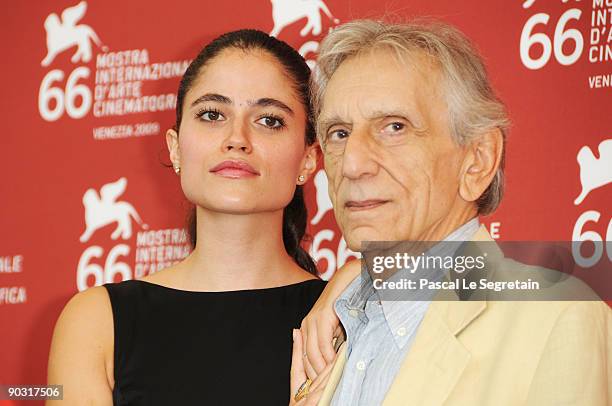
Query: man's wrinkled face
(392,165)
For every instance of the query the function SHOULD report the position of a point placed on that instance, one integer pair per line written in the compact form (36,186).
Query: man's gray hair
(473,107)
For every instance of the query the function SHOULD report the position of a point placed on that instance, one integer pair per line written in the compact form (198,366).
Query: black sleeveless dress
(177,347)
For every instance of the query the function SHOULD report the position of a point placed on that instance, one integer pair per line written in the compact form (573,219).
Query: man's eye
(271,122)
(395,127)
(210,115)
(337,135)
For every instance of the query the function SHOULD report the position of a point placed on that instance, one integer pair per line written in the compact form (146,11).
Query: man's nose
(358,158)
(238,139)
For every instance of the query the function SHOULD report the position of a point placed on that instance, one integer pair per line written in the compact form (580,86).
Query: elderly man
(413,139)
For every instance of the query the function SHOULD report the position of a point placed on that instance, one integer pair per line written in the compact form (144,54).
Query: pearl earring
(177,169)
(301,178)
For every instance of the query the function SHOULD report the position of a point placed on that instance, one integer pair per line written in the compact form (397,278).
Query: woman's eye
(271,122)
(211,115)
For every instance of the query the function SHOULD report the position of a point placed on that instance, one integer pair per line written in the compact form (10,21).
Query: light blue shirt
(379,335)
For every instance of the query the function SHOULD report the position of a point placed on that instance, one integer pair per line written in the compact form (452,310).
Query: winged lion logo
(105,209)
(66,33)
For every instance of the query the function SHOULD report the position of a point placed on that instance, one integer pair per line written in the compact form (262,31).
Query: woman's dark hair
(295,214)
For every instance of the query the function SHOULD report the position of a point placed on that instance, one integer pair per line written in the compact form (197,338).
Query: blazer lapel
(437,359)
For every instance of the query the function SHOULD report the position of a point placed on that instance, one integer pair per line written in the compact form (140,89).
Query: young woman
(216,328)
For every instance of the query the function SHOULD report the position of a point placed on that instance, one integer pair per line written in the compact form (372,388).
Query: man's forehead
(396,63)
(369,86)
(380,73)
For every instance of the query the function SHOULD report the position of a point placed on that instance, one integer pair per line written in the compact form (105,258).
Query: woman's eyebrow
(268,101)
(263,102)
(214,97)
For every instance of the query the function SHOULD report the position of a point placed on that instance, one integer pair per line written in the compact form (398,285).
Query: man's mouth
(360,205)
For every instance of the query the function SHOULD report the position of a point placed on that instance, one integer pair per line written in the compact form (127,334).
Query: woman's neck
(235,252)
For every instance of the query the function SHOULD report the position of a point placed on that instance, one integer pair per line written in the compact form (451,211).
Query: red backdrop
(81,112)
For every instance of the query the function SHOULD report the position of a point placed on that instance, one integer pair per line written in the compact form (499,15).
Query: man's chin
(355,237)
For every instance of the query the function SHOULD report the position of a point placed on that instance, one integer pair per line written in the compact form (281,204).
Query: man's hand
(321,325)
(299,376)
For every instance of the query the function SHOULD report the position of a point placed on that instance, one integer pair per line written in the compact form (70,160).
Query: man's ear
(310,160)
(173,147)
(482,160)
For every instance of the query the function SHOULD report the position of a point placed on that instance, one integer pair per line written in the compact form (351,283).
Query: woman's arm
(82,349)
(321,324)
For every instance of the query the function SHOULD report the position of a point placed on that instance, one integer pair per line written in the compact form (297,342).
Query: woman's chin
(231,206)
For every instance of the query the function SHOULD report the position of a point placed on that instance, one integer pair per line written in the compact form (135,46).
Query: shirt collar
(407,315)
(398,314)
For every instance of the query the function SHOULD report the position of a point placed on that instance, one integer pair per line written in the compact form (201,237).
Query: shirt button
(401,331)
(353,313)
(361,365)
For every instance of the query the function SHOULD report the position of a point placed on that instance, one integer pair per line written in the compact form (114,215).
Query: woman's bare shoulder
(82,346)
(89,308)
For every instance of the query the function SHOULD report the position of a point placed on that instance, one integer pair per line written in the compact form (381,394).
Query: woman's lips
(360,205)
(234,169)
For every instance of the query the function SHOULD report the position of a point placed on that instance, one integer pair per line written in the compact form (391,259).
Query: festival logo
(65,33)
(546,39)
(106,261)
(104,209)
(105,82)
(287,12)
(594,172)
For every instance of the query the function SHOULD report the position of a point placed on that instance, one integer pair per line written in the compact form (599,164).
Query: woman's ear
(481,162)
(309,162)
(173,147)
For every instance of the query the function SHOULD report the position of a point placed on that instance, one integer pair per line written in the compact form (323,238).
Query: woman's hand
(314,391)
(321,325)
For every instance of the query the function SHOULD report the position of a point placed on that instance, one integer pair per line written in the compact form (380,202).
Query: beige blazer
(503,353)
